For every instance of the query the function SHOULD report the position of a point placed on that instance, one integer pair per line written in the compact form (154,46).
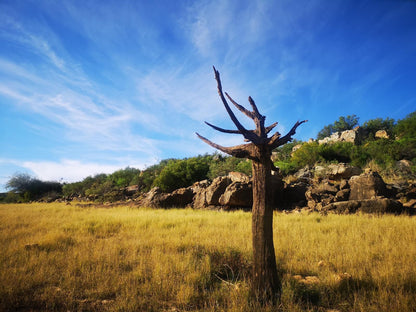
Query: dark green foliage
(345,123)
(25,188)
(406,128)
(370,127)
(124,177)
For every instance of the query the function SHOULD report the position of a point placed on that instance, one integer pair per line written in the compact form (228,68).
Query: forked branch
(278,141)
(239,151)
(271,127)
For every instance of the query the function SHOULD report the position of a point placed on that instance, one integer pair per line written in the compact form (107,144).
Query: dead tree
(266,283)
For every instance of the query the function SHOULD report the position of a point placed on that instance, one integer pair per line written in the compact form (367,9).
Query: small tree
(266,284)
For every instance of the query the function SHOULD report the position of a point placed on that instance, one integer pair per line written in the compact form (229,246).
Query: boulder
(342,195)
(304,173)
(382,134)
(342,171)
(199,189)
(349,136)
(178,198)
(131,190)
(238,177)
(367,186)
(216,189)
(150,198)
(323,193)
(292,195)
(376,205)
(237,194)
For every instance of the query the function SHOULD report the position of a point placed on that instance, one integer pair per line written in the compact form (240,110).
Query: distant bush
(25,188)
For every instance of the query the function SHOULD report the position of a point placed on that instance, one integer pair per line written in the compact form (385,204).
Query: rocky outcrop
(342,191)
(337,172)
(353,136)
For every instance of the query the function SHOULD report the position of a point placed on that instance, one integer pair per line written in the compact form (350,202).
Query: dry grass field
(57,257)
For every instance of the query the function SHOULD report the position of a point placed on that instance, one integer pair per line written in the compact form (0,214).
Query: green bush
(221,166)
(27,188)
(371,126)
(406,128)
(182,173)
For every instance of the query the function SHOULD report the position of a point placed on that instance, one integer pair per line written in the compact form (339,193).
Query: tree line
(170,174)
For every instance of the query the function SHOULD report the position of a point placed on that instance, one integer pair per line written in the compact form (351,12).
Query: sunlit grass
(59,257)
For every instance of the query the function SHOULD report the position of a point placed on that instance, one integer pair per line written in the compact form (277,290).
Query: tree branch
(254,106)
(249,136)
(270,128)
(241,108)
(223,130)
(287,138)
(239,151)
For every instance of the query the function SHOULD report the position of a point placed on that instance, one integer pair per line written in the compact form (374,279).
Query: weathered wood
(266,283)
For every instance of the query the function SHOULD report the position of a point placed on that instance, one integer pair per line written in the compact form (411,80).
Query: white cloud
(68,170)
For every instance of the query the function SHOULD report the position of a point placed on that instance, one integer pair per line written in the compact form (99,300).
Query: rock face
(237,194)
(199,190)
(231,191)
(368,185)
(342,171)
(238,177)
(215,190)
(151,198)
(342,192)
(179,198)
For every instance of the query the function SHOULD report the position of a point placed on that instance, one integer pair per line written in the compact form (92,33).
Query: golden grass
(67,258)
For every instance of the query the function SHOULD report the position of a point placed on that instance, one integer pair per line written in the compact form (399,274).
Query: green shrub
(182,173)
(221,166)
(406,128)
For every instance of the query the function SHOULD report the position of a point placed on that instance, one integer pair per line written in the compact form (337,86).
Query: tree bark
(266,285)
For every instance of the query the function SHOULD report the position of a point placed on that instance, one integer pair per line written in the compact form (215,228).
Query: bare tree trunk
(266,282)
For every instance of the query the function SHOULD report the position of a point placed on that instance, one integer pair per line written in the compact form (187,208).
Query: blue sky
(94,86)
